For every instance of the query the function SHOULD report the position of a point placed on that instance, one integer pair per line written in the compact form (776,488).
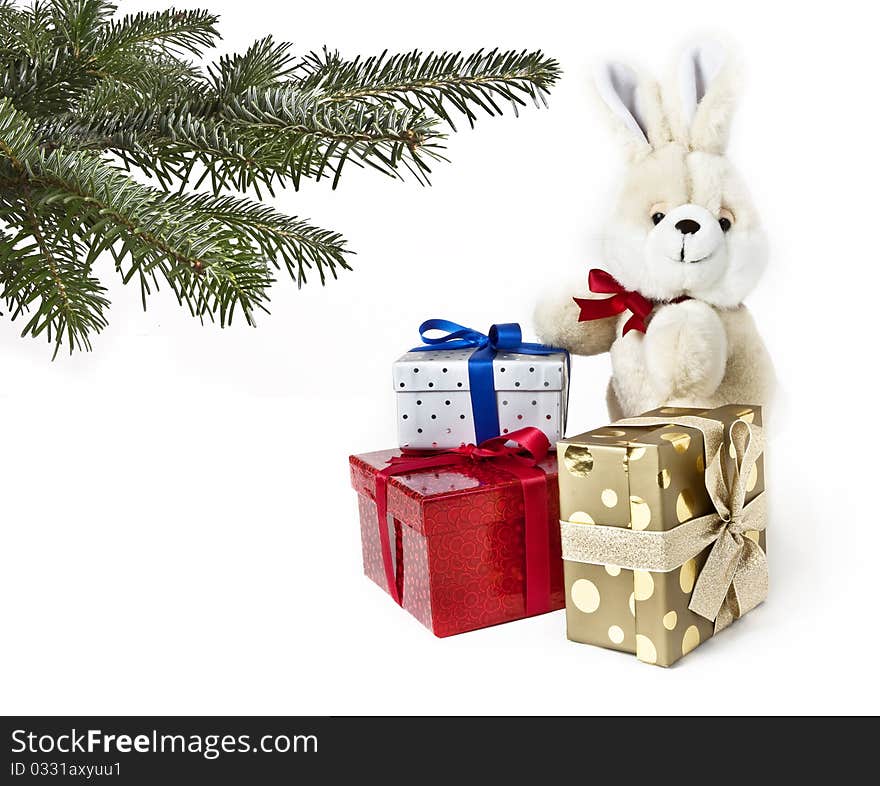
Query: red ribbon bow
(622,300)
(520,459)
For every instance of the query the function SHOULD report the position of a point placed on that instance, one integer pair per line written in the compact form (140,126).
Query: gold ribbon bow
(734,578)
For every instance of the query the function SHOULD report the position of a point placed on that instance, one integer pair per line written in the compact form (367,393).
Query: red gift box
(458,540)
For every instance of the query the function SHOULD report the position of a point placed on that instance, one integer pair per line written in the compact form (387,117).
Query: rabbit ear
(634,105)
(707,93)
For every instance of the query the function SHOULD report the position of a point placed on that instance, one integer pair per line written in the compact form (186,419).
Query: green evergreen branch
(26,31)
(307,137)
(172,32)
(85,95)
(43,85)
(18,144)
(201,259)
(71,306)
(264,137)
(301,246)
(77,23)
(265,64)
(429,81)
(45,278)
(13,260)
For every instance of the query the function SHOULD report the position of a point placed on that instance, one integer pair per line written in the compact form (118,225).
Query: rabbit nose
(687,226)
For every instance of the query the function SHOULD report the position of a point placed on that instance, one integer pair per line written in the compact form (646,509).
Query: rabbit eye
(658,212)
(725,220)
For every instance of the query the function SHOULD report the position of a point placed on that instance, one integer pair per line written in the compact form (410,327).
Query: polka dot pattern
(645,649)
(578,460)
(615,633)
(684,505)
(690,640)
(643,584)
(596,484)
(687,576)
(679,440)
(585,596)
(529,392)
(640,513)
(607,623)
(662,477)
(609,498)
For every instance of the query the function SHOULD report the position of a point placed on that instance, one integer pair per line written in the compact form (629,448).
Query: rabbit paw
(556,323)
(685,350)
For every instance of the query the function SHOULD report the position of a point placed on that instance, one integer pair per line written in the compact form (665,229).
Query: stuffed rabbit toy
(681,251)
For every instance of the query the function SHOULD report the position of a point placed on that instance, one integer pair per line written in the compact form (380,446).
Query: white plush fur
(704,351)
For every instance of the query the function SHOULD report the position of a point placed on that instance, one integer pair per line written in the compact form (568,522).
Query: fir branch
(44,278)
(206,264)
(223,268)
(10,19)
(77,24)
(264,137)
(71,301)
(84,93)
(141,73)
(25,31)
(313,137)
(12,259)
(172,32)
(43,85)
(18,144)
(42,262)
(264,65)
(301,246)
(430,81)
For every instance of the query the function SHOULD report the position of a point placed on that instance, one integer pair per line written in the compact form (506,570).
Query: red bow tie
(622,300)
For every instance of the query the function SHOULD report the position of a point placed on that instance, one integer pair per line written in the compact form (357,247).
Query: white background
(178,530)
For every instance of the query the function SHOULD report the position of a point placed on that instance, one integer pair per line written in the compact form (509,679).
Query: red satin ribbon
(603,283)
(521,459)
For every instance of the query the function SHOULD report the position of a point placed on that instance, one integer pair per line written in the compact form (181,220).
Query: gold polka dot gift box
(662,526)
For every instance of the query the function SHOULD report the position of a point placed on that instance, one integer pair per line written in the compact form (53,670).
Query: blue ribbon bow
(505,337)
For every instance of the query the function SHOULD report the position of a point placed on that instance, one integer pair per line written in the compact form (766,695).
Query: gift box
(662,520)
(466,387)
(463,539)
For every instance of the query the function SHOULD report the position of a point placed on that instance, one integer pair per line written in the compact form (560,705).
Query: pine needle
(88,97)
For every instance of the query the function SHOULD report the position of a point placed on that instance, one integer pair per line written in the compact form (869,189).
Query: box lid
(449,498)
(447,369)
(644,477)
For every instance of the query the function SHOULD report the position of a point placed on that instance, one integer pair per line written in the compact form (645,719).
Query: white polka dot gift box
(662,527)
(466,387)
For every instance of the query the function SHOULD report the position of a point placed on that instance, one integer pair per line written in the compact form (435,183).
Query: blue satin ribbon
(505,337)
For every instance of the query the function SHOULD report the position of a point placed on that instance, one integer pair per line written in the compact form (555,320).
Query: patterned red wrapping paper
(458,539)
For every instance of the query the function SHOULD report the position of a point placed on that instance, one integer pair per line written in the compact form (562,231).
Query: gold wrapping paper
(664,526)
